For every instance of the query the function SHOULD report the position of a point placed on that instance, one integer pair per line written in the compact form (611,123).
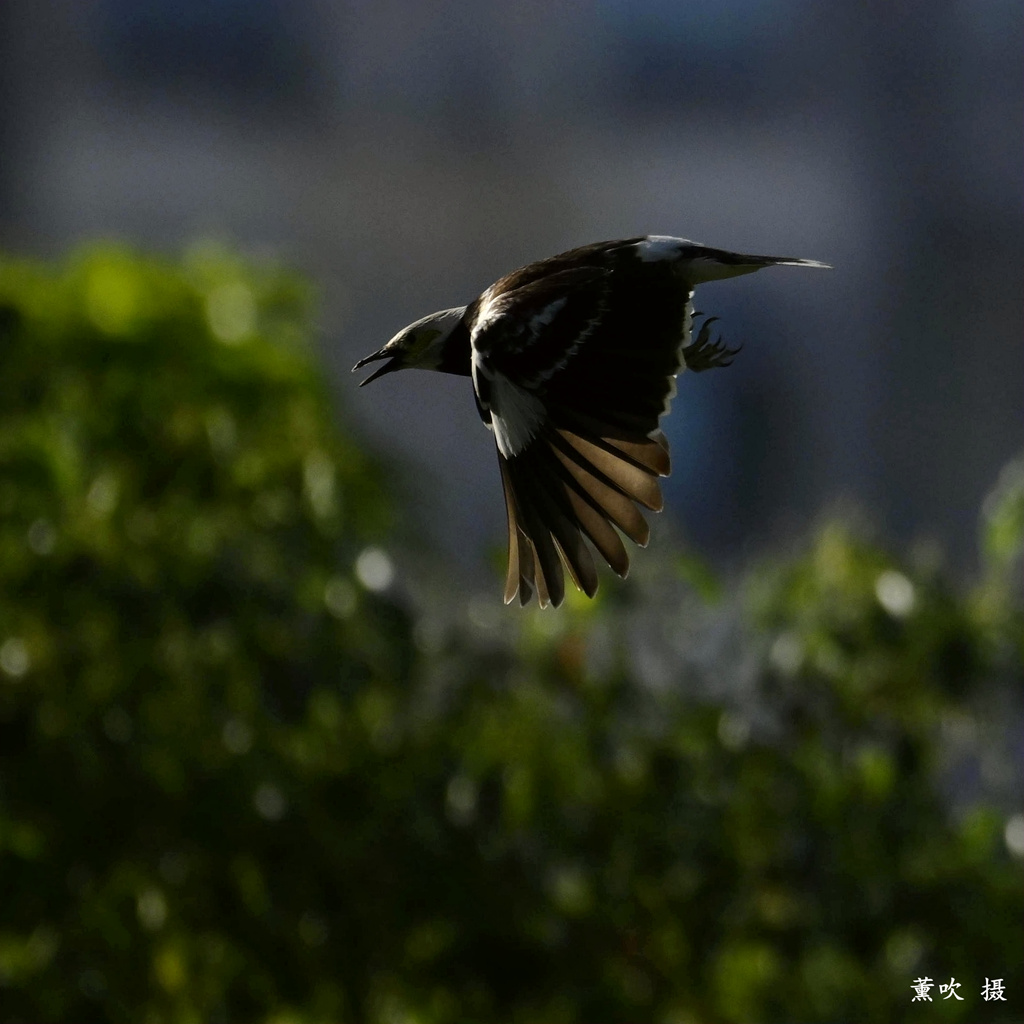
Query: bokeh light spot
(375,570)
(270,802)
(14,657)
(895,593)
(1014,835)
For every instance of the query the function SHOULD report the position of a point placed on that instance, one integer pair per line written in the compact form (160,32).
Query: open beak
(389,367)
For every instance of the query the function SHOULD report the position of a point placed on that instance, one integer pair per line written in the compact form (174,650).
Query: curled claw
(704,354)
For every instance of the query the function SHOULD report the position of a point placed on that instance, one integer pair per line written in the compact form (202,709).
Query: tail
(708,264)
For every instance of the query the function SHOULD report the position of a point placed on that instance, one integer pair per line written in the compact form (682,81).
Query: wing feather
(634,482)
(538,527)
(561,492)
(547,516)
(600,531)
(520,574)
(651,452)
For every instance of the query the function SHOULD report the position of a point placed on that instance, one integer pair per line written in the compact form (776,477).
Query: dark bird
(574,360)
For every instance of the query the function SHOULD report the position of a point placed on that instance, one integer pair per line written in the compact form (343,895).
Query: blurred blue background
(406,154)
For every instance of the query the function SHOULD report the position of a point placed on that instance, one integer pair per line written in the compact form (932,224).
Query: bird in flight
(574,361)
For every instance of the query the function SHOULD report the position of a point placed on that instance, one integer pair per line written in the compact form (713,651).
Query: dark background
(406,154)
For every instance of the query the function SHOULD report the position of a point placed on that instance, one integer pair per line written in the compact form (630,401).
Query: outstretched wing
(572,370)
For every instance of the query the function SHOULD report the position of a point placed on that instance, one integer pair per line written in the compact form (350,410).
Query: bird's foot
(704,354)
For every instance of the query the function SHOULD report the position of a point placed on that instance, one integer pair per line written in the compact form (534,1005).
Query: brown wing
(565,489)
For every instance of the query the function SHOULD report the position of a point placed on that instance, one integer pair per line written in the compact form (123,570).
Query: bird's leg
(704,354)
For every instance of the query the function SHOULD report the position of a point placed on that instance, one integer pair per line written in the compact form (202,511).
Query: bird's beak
(389,367)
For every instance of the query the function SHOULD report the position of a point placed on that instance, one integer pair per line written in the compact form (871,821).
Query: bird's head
(419,346)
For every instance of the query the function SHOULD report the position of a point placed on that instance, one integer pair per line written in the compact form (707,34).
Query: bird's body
(573,361)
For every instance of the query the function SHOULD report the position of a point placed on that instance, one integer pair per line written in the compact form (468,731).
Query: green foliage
(243,778)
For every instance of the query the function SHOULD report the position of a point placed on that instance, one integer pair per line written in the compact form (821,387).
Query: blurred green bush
(248,775)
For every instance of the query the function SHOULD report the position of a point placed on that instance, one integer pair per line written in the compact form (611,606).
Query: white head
(419,346)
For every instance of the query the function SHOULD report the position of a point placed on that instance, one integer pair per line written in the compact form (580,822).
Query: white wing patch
(516,415)
(547,314)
